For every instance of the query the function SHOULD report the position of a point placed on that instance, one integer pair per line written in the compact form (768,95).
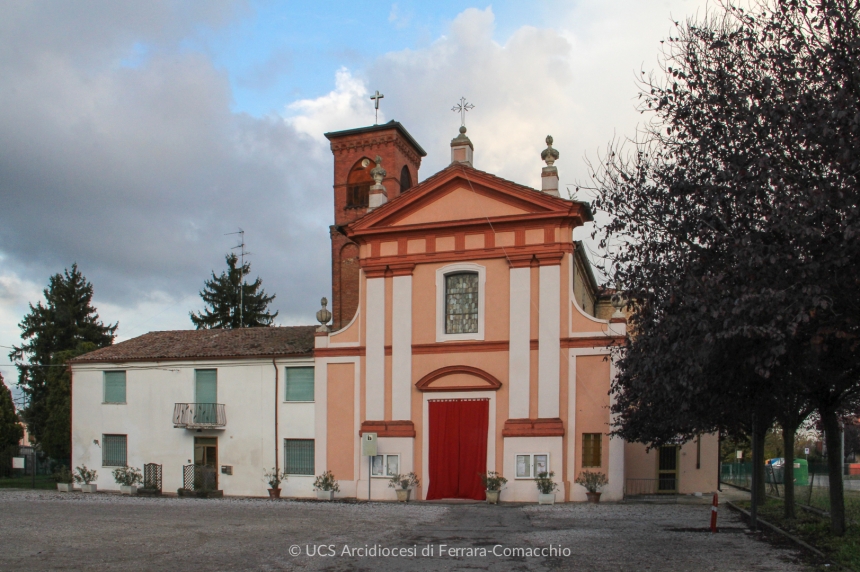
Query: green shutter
(299,456)
(114,387)
(206,386)
(299,382)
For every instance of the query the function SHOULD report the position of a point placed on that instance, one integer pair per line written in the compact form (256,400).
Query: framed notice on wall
(18,462)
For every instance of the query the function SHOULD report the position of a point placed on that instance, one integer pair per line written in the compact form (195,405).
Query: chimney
(549,174)
(461,148)
(377,196)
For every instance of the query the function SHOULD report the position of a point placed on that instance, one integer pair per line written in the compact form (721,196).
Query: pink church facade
(479,339)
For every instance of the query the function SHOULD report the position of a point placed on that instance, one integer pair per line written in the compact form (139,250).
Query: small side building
(238,401)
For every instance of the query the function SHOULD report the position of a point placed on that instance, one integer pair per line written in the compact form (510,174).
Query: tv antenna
(242,253)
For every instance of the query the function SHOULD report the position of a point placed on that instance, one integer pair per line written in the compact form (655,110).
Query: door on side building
(457,448)
(206,455)
(667,469)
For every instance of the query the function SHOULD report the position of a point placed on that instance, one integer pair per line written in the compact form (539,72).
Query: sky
(136,136)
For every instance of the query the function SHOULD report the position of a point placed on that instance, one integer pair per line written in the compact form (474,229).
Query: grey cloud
(136,173)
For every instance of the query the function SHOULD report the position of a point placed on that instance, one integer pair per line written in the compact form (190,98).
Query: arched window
(358,184)
(461,303)
(405,179)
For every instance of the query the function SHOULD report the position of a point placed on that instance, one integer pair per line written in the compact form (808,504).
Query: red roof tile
(191,344)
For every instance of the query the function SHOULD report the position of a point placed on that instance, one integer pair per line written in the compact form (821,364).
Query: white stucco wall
(247,443)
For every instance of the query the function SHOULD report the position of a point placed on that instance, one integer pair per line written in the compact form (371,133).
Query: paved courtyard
(44,530)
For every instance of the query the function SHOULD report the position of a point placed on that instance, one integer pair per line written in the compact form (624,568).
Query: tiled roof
(191,344)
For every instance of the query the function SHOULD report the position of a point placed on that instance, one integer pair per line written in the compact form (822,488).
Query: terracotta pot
(593,497)
(403,494)
(548,498)
(274,494)
(493,497)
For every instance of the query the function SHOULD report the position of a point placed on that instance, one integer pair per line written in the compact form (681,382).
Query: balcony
(199,416)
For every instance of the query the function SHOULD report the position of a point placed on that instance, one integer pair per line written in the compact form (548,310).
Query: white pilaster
(519,352)
(548,339)
(401,349)
(615,487)
(375,348)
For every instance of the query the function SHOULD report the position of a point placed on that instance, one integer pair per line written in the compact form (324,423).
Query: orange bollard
(714,514)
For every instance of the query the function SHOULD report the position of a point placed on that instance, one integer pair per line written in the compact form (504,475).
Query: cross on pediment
(462,108)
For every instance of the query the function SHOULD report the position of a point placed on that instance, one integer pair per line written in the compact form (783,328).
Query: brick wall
(348,149)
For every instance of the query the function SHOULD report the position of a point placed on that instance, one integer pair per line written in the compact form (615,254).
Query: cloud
(398,18)
(137,173)
(121,152)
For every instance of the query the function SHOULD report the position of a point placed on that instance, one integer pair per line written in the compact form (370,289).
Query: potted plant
(65,479)
(593,482)
(326,485)
(403,485)
(546,487)
(127,478)
(493,482)
(274,478)
(85,478)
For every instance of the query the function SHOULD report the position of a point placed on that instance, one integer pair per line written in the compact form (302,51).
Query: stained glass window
(461,303)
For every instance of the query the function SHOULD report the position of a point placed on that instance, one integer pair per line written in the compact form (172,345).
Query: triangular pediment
(459,203)
(461,193)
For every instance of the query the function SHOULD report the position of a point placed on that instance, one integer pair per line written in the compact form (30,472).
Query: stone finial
(461,148)
(549,154)
(378,195)
(549,174)
(323,316)
(378,173)
(618,301)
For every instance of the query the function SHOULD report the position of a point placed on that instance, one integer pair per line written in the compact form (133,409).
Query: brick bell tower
(355,152)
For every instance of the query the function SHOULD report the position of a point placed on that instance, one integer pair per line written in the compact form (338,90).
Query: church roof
(459,170)
(383,127)
(292,341)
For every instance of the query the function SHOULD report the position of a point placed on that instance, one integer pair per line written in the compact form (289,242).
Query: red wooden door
(458,448)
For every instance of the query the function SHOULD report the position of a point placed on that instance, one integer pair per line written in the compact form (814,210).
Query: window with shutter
(299,384)
(114,387)
(114,450)
(299,456)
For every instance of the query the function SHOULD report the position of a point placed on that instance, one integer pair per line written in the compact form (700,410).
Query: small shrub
(127,476)
(326,482)
(84,476)
(592,481)
(493,481)
(404,482)
(545,484)
(274,478)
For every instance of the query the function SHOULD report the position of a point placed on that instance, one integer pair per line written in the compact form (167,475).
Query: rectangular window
(385,466)
(206,386)
(461,303)
(114,387)
(299,384)
(299,456)
(592,453)
(114,450)
(531,465)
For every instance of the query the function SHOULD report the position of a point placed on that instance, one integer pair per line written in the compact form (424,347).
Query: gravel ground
(45,530)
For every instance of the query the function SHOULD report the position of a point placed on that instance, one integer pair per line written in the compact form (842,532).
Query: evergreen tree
(63,323)
(223,299)
(56,439)
(10,429)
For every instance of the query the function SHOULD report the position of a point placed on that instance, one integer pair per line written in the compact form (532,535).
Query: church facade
(468,334)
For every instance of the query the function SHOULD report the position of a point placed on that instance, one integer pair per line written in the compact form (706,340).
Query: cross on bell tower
(376,97)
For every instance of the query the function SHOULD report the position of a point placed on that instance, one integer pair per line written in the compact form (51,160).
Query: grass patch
(42,482)
(816,531)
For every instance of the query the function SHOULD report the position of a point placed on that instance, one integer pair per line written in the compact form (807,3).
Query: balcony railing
(199,415)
